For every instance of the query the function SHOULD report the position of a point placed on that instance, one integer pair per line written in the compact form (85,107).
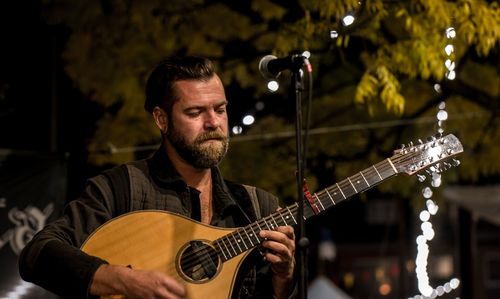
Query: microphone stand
(302,240)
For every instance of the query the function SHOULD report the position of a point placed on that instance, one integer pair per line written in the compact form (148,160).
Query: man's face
(197,127)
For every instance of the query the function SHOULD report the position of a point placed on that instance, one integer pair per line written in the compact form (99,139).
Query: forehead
(198,92)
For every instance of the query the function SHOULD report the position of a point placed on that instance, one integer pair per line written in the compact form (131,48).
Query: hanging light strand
(428,233)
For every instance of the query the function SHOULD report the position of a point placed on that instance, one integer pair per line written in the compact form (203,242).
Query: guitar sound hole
(198,262)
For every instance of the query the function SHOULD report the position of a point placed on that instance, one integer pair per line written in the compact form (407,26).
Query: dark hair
(160,85)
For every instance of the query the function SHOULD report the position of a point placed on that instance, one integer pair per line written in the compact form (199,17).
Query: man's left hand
(279,250)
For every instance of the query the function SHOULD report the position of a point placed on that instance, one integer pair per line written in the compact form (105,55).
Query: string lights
(428,233)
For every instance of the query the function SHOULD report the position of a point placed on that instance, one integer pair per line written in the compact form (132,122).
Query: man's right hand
(114,280)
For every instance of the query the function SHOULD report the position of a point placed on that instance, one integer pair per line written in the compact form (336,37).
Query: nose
(212,120)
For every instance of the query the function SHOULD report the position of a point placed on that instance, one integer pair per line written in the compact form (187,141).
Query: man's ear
(161,119)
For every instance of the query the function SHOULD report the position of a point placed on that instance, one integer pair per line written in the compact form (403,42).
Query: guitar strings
(192,259)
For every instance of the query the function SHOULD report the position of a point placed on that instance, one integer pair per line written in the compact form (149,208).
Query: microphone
(271,66)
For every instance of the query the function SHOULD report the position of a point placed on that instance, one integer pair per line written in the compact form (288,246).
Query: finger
(274,235)
(288,231)
(279,249)
(278,237)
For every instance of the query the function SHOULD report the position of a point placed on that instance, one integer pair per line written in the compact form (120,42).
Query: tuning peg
(455,162)
(420,141)
(411,144)
(421,177)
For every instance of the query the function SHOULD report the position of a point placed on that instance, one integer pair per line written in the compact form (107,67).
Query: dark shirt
(54,261)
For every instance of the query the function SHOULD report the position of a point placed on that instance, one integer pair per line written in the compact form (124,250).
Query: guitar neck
(408,160)
(246,238)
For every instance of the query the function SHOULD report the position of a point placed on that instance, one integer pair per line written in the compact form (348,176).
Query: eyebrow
(221,103)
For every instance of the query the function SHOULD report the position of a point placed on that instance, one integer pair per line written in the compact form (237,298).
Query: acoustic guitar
(207,259)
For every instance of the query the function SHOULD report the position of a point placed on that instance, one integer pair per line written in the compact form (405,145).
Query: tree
(383,67)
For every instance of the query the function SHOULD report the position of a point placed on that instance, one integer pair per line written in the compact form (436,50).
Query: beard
(198,153)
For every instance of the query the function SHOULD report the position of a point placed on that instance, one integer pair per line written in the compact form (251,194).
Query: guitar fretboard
(247,237)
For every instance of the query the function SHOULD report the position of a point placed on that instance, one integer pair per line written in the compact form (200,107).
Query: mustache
(211,135)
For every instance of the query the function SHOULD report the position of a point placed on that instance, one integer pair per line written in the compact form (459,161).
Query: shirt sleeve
(53,260)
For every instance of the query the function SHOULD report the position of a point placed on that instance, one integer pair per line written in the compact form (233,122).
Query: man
(187,101)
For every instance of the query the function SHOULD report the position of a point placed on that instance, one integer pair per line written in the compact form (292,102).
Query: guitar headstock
(431,154)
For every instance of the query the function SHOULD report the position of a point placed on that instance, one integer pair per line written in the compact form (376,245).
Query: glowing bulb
(436,183)
(425,215)
(450,65)
(449,49)
(248,119)
(237,130)
(427,192)
(442,115)
(273,85)
(334,34)
(450,32)
(348,20)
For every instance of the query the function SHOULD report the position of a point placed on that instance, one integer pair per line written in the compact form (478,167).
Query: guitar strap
(121,197)
(252,192)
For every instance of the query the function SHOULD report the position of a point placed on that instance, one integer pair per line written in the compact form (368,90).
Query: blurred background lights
(348,20)
(385,289)
(450,65)
(427,192)
(454,283)
(237,130)
(436,183)
(425,215)
(334,34)
(442,115)
(428,233)
(450,32)
(248,120)
(451,75)
(449,49)
(273,85)
(437,87)
(259,106)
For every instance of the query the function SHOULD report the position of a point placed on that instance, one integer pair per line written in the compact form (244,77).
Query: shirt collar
(164,172)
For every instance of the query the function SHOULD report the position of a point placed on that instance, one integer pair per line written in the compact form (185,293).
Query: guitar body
(159,241)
